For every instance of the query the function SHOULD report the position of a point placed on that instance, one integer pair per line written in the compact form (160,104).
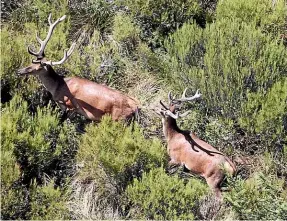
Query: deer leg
(214,183)
(64,114)
(172,167)
(173,163)
(78,108)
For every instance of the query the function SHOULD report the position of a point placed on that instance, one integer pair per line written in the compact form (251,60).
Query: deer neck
(170,127)
(51,80)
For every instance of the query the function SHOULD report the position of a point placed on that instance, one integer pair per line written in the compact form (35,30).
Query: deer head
(41,65)
(174,105)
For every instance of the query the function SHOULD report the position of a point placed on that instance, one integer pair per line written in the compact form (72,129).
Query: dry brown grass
(94,199)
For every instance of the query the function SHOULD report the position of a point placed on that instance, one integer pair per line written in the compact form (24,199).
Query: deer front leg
(64,109)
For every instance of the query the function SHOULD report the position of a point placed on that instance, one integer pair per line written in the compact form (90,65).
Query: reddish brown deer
(76,94)
(186,149)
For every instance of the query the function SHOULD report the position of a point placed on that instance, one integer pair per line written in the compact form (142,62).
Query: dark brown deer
(76,94)
(186,149)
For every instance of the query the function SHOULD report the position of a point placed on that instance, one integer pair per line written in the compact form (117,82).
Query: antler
(43,44)
(66,56)
(173,101)
(184,98)
(177,115)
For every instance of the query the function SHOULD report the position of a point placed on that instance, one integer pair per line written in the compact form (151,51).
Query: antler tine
(174,116)
(43,44)
(66,56)
(71,48)
(184,92)
(49,19)
(185,113)
(170,99)
(184,98)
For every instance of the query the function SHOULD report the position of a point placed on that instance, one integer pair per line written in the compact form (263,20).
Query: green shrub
(238,67)
(110,155)
(126,33)
(14,203)
(38,142)
(33,146)
(159,196)
(124,28)
(116,148)
(260,197)
(269,15)
(47,203)
(97,60)
(232,57)
(91,15)
(161,17)
(266,110)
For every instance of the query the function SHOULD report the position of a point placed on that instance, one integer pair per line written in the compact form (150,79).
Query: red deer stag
(185,148)
(77,94)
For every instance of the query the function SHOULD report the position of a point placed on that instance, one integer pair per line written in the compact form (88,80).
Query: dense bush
(231,50)
(110,155)
(159,196)
(259,197)
(33,147)
(159,18)
(239,68)
(38,142)
(117,148)
(48,203)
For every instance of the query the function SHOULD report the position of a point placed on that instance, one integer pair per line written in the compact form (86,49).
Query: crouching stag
(186,149)
(75,94)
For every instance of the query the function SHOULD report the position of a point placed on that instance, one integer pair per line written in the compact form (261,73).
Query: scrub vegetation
(234,51)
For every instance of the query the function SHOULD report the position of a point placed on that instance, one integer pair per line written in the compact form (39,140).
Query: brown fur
(83,96)
(198,160)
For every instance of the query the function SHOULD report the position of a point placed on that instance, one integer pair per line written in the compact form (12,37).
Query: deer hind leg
(214,183)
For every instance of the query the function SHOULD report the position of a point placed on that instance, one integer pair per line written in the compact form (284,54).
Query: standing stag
(76,94)
(186,149)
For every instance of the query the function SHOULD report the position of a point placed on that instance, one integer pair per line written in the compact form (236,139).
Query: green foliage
(11,172)
(126,33)
(13,203)
(36,11)
(124,28)
(97,60)
(110,155)
(270,15)
(91,15)
(161,17)
(47,203)
(116,148)
(260,197)
(159,196)
(266,110)
(31,147)
(12,45)
(232,57)
(239,69)
(38,141)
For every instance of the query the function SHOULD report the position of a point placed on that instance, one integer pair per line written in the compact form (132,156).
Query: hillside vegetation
(234,51)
